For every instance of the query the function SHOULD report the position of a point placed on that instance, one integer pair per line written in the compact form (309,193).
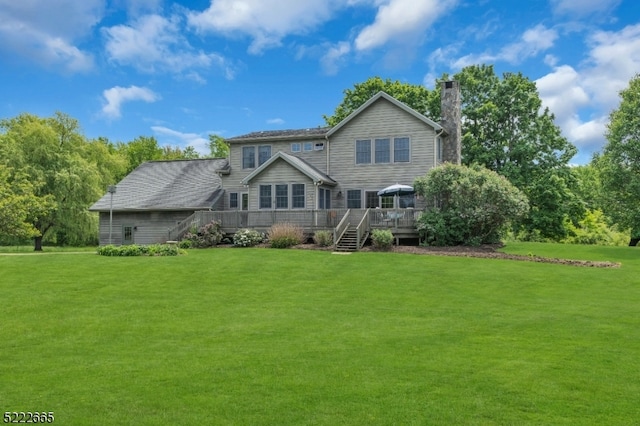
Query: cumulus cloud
(582,98)
(335,57)
(116,96)
(267,22)
(532,42)
(400,20)
(153,43)
(46,32)
(199,142)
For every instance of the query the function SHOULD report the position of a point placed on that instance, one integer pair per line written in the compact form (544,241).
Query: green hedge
(140,250)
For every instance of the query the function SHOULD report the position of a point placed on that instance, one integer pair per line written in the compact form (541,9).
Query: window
(245,201)
(406,201)
(265,196)
(233,200)
(383,151)
(248,157)
(282,196)
(319,146)
(297,196)
(296,147)
(308,146)
(264,153)
(324,198)
(439,148)
(401,150)
(372,199)
(387,202)
(363,151)
(354,199)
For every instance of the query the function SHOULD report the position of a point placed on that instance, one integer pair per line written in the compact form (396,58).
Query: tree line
(50,173)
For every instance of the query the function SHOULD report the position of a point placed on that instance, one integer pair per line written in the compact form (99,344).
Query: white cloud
(334,57)
(532,42)
(153,43)
(277,121)
(173,137)
(401,21)
(117,95)
(582,98)
(267,22)
(576,8)
(45,32)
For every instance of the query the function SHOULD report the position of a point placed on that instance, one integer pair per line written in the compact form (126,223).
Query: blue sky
(182,70)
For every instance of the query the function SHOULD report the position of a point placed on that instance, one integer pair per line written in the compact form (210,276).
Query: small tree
(467,205)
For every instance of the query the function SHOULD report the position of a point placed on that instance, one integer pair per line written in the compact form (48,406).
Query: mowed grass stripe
(260,336)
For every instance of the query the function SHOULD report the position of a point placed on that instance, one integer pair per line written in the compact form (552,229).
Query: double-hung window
(265,196)
(282,196)
(248,157)
(383,150)
(297,196)
(401,150)
(233,200)
(363,151)
(264,153)
(354,199)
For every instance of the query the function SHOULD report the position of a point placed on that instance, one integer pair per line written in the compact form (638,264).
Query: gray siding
(231,182)
(281,172)
(151,227)
(381,119)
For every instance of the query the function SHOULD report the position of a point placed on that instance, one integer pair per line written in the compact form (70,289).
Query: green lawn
(265,336)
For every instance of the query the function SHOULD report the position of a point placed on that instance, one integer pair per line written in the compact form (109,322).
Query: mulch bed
(484,251)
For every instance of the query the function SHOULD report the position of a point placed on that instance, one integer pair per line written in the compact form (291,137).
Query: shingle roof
(314,174)
(167,185)
(282,134)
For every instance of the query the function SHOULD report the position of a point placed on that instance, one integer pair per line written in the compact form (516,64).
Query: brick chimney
(451,122)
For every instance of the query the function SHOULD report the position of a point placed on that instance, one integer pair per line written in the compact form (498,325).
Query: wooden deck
(400,221)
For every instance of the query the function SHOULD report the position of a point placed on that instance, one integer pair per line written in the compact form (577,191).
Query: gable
(278,165)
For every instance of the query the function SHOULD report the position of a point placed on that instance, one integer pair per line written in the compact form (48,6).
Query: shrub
(593,229)
(138,250)
(382,239)
(247,238)
(185,244)
(284,235)
(323,238)
(208,235)
(470,205)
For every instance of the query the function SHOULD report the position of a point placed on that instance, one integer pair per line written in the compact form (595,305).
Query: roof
(394,101)
(312,133)
(298,163)
(167,185)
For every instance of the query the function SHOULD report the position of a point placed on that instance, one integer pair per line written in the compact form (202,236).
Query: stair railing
(362,229)
(342,227)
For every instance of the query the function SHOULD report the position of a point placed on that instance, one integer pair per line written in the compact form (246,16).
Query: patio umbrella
(397,190)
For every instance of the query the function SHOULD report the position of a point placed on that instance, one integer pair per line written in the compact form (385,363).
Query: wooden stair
(349,241)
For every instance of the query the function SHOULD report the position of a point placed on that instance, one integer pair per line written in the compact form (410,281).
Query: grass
(261,336)
(45,249)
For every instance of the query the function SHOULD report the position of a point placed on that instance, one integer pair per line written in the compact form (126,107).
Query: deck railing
(310,220)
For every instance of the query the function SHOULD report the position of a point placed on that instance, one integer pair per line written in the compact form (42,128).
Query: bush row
(139,250)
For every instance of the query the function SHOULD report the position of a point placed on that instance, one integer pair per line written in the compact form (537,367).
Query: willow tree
(52,153)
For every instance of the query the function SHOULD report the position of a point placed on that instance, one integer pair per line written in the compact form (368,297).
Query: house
(321,178)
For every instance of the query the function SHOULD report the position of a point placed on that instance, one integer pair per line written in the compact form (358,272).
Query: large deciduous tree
(52,154)
(619,164)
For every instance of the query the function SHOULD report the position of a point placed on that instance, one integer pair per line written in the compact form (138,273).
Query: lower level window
(282,196)
(265,196)
(233,200)
(297,196)
(354,199)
